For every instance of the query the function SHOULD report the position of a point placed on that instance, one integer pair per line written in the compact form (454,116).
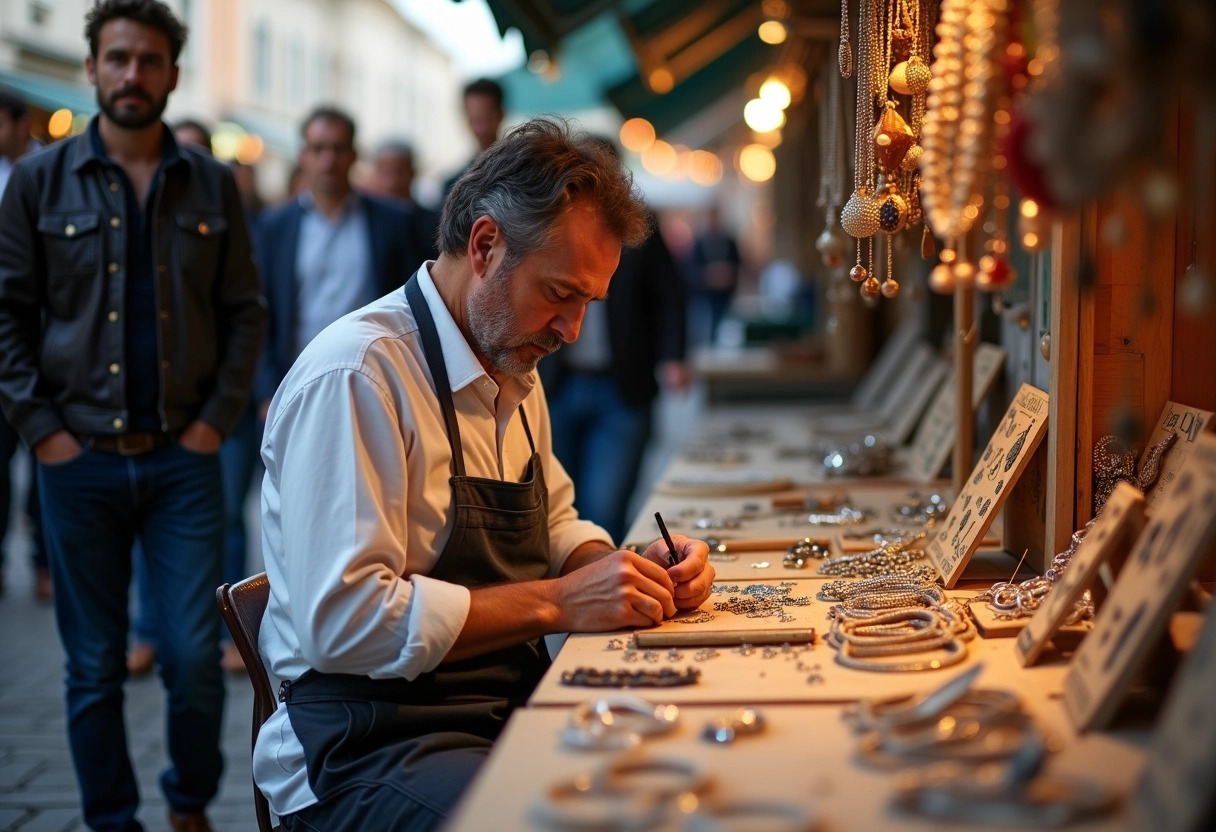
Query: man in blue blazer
(327,252)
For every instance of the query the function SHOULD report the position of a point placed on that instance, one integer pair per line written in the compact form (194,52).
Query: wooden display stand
(1130,624)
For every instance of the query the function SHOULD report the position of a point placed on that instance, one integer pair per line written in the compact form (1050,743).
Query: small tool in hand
(671,546)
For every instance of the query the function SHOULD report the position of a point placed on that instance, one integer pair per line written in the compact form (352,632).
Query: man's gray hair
(530,178)
(397,147)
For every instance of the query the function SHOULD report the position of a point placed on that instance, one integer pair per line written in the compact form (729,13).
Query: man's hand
(619,590)
(200,438)
(693,576)
(673,375)
(58,448)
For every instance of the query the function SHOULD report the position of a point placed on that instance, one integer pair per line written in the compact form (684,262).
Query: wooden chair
(242,605)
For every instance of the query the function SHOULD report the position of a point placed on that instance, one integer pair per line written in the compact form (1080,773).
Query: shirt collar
(462,365)
(349,205)
(91,149)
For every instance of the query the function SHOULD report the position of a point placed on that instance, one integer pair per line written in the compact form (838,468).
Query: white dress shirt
(356,506)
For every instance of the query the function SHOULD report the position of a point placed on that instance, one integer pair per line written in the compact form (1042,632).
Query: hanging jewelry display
(859,217)
(844,55)
(957,133)
(892,36)
(833,170)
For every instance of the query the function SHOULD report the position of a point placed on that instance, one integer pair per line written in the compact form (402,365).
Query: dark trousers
(94,509)
(239,459)
(372,766)
(600,440)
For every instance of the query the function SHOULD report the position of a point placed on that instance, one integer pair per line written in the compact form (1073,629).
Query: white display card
(1175,792)
(971,514)
(1121,521)
(1187,423)
(934,439)
(1134,617)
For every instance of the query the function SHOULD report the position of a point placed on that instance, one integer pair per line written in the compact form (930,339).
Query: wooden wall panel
(1193,349)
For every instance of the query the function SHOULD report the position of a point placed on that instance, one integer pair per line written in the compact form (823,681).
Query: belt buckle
(131,444)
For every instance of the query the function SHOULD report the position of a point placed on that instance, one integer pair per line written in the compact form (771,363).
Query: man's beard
(492,328)
(132,120)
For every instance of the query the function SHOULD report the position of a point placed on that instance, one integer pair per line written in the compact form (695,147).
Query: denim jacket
(62,284)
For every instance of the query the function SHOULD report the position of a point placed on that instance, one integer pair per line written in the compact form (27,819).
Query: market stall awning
(49,93)
(664,60)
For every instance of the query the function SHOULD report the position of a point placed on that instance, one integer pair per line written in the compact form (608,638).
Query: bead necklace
(896,557)
(957,131)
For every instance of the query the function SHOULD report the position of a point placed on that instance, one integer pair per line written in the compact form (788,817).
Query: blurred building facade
(253,69)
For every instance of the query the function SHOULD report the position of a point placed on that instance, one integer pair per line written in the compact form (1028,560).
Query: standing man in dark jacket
(130,319)
(327,252)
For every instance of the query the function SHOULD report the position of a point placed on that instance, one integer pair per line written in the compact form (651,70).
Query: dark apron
(392,751)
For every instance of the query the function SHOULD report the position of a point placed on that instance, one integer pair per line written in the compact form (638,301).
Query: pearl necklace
(957,131)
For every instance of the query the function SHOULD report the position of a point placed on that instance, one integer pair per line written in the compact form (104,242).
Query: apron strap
(433,351)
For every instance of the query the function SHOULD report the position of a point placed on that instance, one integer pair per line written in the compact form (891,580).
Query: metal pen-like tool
(671,546)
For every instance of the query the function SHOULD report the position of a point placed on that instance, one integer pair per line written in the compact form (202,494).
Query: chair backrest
(242,605)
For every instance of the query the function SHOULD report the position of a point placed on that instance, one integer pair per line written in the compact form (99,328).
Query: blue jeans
(600,440)
(239,458)
(95,507)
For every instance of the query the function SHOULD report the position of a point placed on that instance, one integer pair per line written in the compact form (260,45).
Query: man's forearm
(502,616)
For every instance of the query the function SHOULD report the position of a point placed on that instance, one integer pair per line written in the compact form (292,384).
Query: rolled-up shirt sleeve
(339,447)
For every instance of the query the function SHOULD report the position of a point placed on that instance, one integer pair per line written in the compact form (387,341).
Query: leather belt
(127,444)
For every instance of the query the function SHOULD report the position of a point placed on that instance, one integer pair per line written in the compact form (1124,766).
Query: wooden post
(1064,328)
(964,347)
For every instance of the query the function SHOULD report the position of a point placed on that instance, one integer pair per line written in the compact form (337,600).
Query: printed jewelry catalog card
(1009,450)
(934,438)
(1165,557)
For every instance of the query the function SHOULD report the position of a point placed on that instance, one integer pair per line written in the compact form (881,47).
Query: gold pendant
(859,218)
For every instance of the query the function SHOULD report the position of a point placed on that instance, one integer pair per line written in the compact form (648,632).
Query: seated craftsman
(419,535)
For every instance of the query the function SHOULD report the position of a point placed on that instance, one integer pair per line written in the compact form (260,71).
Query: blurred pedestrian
(193,133)
(247,183)
(483,112)
(393,178)
(716,265)
(327,252)
(130,319)
(601,388)
(15,142)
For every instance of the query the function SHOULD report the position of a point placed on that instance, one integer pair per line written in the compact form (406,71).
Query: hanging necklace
(832,170)
(859,218)
(956,135)
(844,55)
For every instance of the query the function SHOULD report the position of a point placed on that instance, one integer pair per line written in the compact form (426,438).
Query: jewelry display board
(769,673)
(934,438)
(886,365)
(1133,619)
(754,535)
(1175,793)
(1009,450)
(905,393)
(1187,423)
(723,483)
(1120,523)
(803,757)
